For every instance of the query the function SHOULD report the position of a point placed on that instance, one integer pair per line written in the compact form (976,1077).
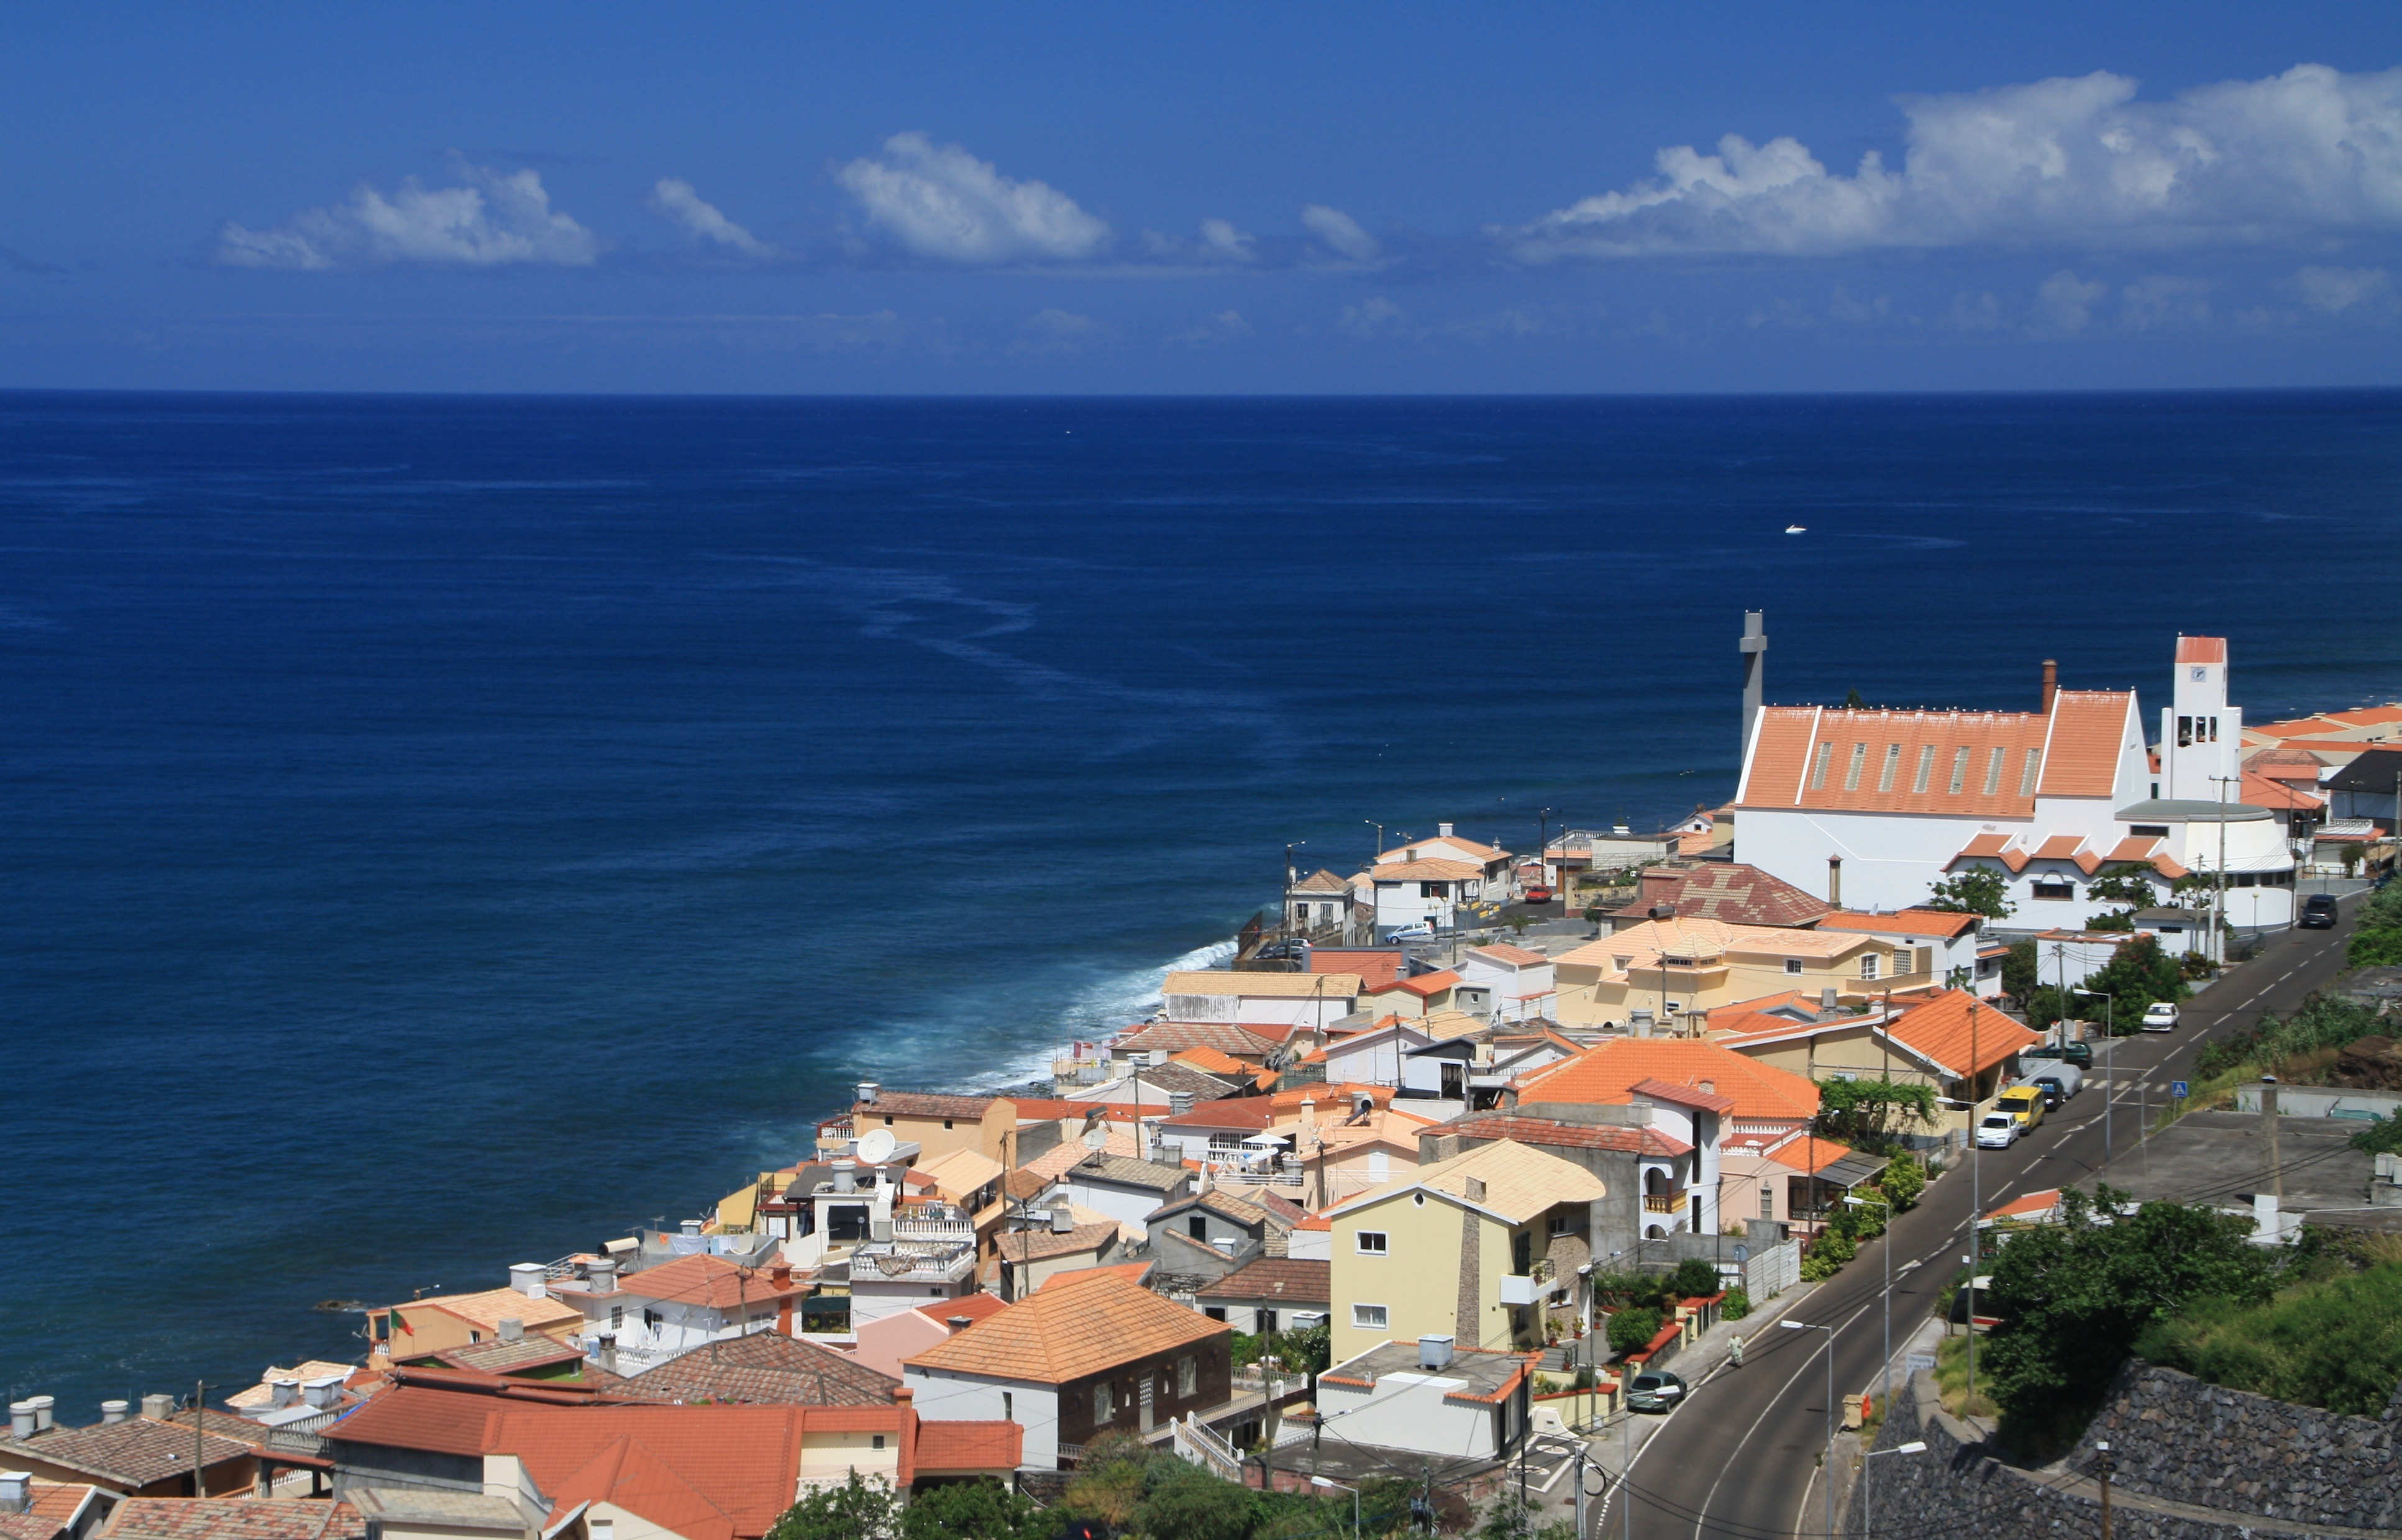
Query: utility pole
(2102,1466)
(2218,924)
(1976,1214)
(1375,855)
(1291,875)
(199,1439)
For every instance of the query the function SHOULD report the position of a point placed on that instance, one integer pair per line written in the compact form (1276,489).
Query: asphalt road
(1739,1459)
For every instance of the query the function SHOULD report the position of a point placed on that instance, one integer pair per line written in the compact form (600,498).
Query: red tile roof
(136,1452)
(1175,1036)
(1943,1027)
(1725,890)
(1425,985)
(946,1446)
(1295,1279)
(1907,922)
(920,1104)
(1056,1335)
(1800,1153)
(1683,1095)
(224,1518)
(1538,1132)
(1607,1072)
(1376,968)
(709,1281)
(2201,649)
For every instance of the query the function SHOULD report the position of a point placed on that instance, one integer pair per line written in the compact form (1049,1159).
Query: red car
(1538,895)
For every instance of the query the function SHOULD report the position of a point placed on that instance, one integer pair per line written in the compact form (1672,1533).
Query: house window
(877,1442)
(1793,965)
(1926,767)
(1197,1227)
(1101,1408)
(1372,1242)
(475,1337)
(947,1123)
(2052,890)
(1368,1317)
(1852,770)
(1959,768)
(1188,1377)
(616,1316)
(2027,772)
(1215,1312)
(1993,771)
(1008,1406)
(1819,769)
(1892,767)
(2148,830)
(1767,1201)
(888,1119)
(1868,965)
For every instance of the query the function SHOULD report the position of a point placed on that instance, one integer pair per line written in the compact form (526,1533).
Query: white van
(2059,1080)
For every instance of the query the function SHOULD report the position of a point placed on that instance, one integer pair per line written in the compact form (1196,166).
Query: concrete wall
(944,1395)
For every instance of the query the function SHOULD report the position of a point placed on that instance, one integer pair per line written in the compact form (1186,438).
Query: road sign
(2178,1088)
(1921,1360)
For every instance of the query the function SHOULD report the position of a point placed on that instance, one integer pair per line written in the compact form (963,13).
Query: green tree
(975,1510)
(1509,1518)
(1903,1180)
(1694,1279)
(1187,1503)
(1978,891)
(2127,884)
(1631,1330)
(2020,971)
(2074,1295)
(1871,1112)
(2140,974)
(859,1509)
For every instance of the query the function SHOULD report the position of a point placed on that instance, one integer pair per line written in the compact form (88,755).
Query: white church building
(1874,807)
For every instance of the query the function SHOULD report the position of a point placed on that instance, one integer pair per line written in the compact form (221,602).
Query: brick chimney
(2051,683)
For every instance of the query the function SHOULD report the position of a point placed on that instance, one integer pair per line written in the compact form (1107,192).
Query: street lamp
(1827,1471)
(2109,1060)
(1859,1201)
(1322,1481)
(1868,1501)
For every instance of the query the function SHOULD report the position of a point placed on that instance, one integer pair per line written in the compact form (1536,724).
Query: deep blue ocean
(444,832)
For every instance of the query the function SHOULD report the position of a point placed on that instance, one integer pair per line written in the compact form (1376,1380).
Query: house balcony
(1521,1289)
(1664,1203)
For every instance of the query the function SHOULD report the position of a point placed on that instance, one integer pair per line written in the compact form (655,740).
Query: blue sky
(1342,197)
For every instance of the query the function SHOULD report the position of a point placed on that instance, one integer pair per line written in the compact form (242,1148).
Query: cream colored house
(1459,1248)
(1673,967)
(1962,1046)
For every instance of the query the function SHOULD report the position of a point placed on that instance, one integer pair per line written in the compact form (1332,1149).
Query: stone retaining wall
(2181,1438)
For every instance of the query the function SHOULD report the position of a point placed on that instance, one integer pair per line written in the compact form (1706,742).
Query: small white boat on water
(1795,529)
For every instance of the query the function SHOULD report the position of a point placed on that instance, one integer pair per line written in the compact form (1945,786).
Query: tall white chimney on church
(1754,647)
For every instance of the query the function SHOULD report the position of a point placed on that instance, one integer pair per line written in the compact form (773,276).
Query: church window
(1818,771)
(1852,771)
(1993,771)
(2026,775)
(1959,768)
(1892,766)
(2184,731)
(1926,767)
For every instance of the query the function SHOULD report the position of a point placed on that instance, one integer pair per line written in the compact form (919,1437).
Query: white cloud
(2065,302)
(681,203)
(1225,326)
(1374,318)
(1055,331)
(944,203)
(1340,233)
(2076,162)
(1223,240)
(2336,290)
(2163,300)
(495,219)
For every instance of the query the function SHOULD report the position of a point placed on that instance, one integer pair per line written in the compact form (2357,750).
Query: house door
(1454,1081)
(1143,1390)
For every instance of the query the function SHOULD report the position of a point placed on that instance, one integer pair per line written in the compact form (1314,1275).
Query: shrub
(975,1510)
(1903,1180)
(1631,1330)
(1736,1305)
(1693,1279)
(856,1510)
(2335,1343)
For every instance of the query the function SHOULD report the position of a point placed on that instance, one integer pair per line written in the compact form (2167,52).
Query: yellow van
(2024,1103)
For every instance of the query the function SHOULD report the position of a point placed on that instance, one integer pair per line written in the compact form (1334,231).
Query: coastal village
(1450,1172)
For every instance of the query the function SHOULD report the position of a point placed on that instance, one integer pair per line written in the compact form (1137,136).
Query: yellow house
(439,1322)
(1681,965)
(937,1125)
(1458,1249)
(1958,1044)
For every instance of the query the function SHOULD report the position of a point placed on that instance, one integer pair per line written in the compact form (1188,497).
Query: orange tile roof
(1376,967)
(2260,791)
(1799,1153)
(1609,1071)
(218,1519)
(1907,922)
(1427,869)
(705,1472)
(2028,1206)
(2201,649)
(1202,1057)
(1683,1095)
(1056,1335)
(946,1446)
(2060,848)
(1131,1272)
(709,1281)
(2082,757)
(1943,1027)
(1871,759)
(1424,985)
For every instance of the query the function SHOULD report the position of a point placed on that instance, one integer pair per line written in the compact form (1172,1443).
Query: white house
(1375,1056)
(1422,889)
(1492,864)
(929,1256)
(1307,1000)
(1318,901)
(1517,984)
(1431,1397)
(1874,807)
(644,1319)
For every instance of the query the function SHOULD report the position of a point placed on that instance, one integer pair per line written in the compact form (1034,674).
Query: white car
(1412,933)
(2160,1016)
(1999,1130)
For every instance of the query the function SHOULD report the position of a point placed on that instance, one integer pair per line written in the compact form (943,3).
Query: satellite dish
(1742,1253)
(875,1146)
(1097,1139)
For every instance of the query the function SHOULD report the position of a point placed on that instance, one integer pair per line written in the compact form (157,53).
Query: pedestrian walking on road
(1735,1352)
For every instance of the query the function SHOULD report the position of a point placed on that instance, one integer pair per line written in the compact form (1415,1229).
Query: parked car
(2060,1082)
(2160,1016)
(1654,1390)
(2024,1102)
(1999,1130)
(1412,933)
(2318,912)
(2079,1055)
